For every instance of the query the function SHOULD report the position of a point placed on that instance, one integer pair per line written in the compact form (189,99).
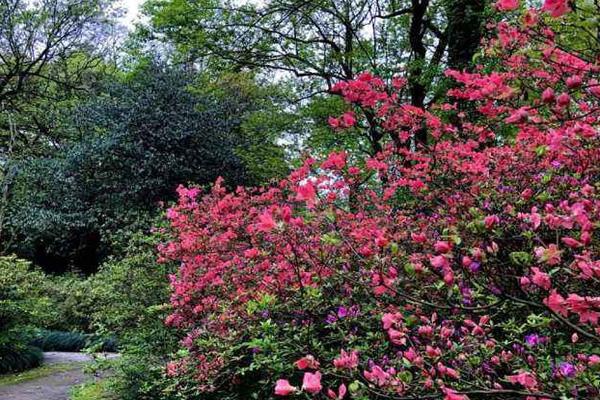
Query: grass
(36,373)
(96,390)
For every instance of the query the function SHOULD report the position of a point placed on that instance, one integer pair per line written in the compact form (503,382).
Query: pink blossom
(507,5)
(526,379)
(574,81)
(440,262)
(556,303)
(335,161)
(442,247)
(306,192)
(563,100)
(570,242)
(450,394)
(556,8)
(348,119)
(377,375)
(540,278)
(549,255)
(283,388)
(266,223)
(311,382)
(307,362)
(548,97)
(346,360)
(340,394)
(490,221)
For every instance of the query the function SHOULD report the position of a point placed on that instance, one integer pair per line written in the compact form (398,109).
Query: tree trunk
(465,24)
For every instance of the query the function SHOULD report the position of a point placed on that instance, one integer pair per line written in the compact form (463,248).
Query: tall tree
(321,42)
(147,133)
(47,49)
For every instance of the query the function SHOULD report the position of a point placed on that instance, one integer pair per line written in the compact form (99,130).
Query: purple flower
(331,318)
(567,369)
(354,311)
(342,312)
(475,266)
(533,340)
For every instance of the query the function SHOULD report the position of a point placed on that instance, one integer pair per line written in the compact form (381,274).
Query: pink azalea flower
(306,192)
(346,360)
(283,388)
(442,246)
(440,262)
(556,8)
(549,255)
(311,382)
(540,278)
(340,394)
(563,100)
(335,161)
(556,303)
(490,221)
(307,362)
(548,97)
(266,223)
(418,237)
(525,379)
(530,18)
(377,375)
(507,5)
(570,242)
(334,122)
(348,119)
(450,394)
(574,81)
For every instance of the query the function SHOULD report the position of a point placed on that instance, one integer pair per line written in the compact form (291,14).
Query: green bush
(23,306)
(131,301)
(19,358)
(60,341)
(73,341)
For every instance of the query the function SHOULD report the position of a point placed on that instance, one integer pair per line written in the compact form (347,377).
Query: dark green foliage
(19,358)
(144,135)
(60,341)
(72,341)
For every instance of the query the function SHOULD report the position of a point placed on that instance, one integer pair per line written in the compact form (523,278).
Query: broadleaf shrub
(131,297)
(23,306)
(462,267)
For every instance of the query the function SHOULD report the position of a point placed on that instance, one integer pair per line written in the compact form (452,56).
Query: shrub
(23,305)
(464,265)
(19,358)
(73,341)
(131,301)
(60,341)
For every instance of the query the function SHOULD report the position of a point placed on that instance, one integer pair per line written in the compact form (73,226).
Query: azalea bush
(461,266)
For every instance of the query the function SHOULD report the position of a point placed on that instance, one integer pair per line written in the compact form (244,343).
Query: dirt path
(52,387)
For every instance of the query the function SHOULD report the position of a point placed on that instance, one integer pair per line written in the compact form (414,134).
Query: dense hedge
(19,358)
(72,341)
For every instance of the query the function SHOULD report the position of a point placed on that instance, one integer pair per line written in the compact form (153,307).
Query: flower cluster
(461,267)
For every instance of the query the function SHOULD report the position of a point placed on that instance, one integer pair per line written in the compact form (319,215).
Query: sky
(131,11)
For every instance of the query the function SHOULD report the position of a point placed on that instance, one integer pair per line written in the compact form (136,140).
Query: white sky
(131,11)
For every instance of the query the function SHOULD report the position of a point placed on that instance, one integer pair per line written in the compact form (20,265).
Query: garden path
(55,386)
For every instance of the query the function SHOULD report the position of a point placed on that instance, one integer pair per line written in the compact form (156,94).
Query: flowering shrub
(463,267)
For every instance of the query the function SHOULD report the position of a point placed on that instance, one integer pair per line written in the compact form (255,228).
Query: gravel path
(55,386)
